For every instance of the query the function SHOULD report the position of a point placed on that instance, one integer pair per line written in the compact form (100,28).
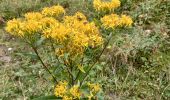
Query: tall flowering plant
(71,39)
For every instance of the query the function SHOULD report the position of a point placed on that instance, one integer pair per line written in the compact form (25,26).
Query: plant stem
(45,67)
(71,69)
(77,76)
(96,59)
(53,48)
(67,67)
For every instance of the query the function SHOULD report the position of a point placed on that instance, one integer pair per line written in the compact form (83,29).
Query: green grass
(143,76)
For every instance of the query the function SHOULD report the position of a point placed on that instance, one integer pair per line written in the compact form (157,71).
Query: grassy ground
(146,77)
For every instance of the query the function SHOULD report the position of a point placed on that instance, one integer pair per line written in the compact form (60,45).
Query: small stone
(9,49)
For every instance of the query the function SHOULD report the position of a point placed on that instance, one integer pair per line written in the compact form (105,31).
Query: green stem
(67,67)
(96,59)
(78,74)
(45,67)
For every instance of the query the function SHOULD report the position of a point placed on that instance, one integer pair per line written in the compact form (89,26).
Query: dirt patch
(4,57)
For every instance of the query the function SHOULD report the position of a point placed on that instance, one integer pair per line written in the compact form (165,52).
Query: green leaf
(167,93)
(40,41)
(29,54)
(81,68)
(51,97)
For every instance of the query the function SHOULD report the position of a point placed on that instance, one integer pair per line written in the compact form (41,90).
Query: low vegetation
(104,50)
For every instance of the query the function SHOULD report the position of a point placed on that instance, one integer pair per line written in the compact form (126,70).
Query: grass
(145,75)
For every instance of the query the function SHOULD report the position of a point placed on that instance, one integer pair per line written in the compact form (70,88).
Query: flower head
(105,5)
(114,20)
(58,32)
(76,34)
(33,16)
(30,27)
(94,88)
(48,22)
(53,11)
(13,27)
(111,21)
(75,92)
(126,20)
(61,89)
(80,16)
(67,98)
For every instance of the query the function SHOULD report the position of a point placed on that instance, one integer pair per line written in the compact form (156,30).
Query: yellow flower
(114,20)
(58,32)
(73,33)
(80,16)
(105,5)
(61,89)
(111,21)
(33,16)
(126,20)
(80,39)
(75,19)
(75,92)
(48,22)
(94,88)
(90,96)
(13,27)
(78,43)
(95,40)
(53,11)
(93,33)
(30,27)
(67,98)
(60,52)
(81,35)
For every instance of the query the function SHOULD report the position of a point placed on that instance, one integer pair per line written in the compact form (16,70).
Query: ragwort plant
(78,44)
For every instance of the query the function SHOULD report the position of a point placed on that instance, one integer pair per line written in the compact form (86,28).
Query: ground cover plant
(101,51)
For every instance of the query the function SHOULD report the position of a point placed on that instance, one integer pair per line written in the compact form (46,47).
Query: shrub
(76,43)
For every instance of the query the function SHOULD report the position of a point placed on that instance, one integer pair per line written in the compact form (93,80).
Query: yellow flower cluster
(94,88)
(48,22)
(33,16)
(34,22)
(74,93)
(58,32)
(21,28)
(75,33)
(67,98)
(100,5)
(13,27)
(53,11)
(61,90)
(126,20)
(30,27)
(114,20)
